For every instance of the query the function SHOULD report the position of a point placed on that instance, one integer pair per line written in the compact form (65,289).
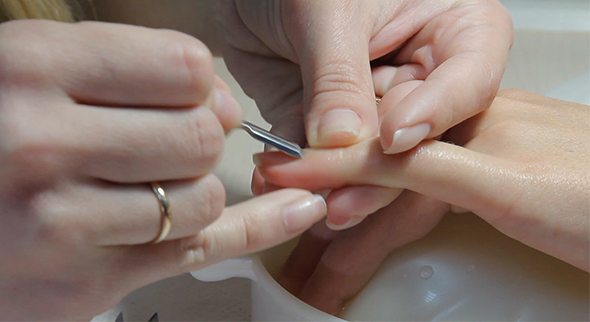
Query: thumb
(332,45)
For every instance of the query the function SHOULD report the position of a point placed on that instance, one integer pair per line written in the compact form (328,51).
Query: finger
(354,256)
(268,187)
(247,227)
(225,106)
(261,222)
(394,95)
(257,183)
(388,77)
(130,145)
(334,59)
(348,206)
(303,260)
(117,214)
(443,171)
(465,75)
(324,168)
(113,64)
(257,224)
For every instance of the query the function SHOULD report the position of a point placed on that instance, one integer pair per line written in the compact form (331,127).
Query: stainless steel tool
(273,140)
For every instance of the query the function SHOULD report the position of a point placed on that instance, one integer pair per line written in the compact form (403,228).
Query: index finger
(450,173)
(111,64)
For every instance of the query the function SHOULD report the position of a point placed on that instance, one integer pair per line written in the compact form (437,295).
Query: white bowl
(463,270)
(270,302)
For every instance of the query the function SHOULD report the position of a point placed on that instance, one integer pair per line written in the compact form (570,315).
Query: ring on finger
(166,221)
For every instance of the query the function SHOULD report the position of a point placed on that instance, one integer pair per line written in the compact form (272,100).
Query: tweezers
(273,140)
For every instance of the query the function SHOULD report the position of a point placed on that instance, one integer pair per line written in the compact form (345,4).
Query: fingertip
(303,213)
(405,138)
(257,182)
(320,300)
(348,206)
(227,109)
(351,222)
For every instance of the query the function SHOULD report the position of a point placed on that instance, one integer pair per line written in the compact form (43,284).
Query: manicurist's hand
(522,166)
(92,114)
(314,68)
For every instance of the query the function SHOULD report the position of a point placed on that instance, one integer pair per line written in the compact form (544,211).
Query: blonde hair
(59,10)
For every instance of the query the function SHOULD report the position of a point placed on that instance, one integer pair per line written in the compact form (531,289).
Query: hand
(525,153)
(309,61)
(90,114)
(436,63)
(328,268)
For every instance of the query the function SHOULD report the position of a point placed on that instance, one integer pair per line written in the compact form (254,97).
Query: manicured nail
(339,125)
(351,222)
(301,214)
(408,137)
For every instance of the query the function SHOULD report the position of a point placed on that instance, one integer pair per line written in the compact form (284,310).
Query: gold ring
(164,210)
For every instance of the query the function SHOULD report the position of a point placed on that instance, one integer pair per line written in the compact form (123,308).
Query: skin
(314,68)
(301,60)
(522,166)
(86,123)
(124,106)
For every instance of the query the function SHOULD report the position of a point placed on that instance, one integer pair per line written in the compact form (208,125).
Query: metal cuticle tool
(273,140)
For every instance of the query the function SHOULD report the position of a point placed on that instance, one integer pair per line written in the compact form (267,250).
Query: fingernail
(339,125)
(351,222)
(227,109)
(301,214)
(408,137)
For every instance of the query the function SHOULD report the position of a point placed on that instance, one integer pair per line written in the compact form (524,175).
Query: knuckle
(339,77)
(507,128)
(23,48)
(253,231)
(210,199)
(30,152)
(46,211)
(195,61)
(195,252)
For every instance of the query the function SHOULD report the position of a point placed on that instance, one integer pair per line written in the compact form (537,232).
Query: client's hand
(522,166)
(90,115)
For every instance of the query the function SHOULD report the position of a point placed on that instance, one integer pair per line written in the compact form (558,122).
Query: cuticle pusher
(273,140)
